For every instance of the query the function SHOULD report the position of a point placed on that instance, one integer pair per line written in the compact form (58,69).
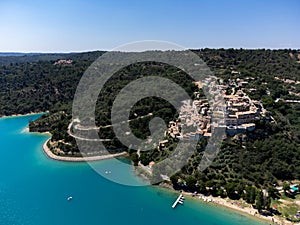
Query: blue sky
(81,25)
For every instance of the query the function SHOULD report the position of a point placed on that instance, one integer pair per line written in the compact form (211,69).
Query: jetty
(180,200)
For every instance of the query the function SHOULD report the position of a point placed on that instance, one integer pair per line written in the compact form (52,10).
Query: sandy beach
(79,159)
(246,209)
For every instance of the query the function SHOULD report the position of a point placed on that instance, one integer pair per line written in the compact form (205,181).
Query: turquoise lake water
(34,190)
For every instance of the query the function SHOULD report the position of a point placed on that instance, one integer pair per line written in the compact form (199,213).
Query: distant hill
(14,53)
(12,58)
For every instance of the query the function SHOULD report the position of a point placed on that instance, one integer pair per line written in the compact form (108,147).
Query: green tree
(259,201)
(202,188)
(220,192)
(253,195)
(174,179)
(144,159)
(267,202)
(272,191)
(285,187)
(191,183)
(135,158)
(230,189)
(250,194)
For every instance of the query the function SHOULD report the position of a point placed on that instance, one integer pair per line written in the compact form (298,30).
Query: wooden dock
(180,200)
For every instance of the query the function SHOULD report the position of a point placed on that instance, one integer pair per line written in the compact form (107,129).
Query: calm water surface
(34,190)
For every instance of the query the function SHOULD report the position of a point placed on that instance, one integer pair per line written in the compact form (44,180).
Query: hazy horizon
(75,52)
(80,26)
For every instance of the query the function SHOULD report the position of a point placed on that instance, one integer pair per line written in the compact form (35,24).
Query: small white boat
(70,198)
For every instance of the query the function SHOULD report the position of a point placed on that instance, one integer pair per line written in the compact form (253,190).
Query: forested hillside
(34,83)
(265,156)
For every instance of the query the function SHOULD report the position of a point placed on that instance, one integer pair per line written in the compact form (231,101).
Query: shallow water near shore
(34,190)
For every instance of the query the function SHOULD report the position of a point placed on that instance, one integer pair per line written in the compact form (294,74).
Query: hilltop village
(239,116)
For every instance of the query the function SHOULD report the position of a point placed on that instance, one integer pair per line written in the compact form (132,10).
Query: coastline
(215,201)
(18,114)
(231,205)
(244,210)
(51,155)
